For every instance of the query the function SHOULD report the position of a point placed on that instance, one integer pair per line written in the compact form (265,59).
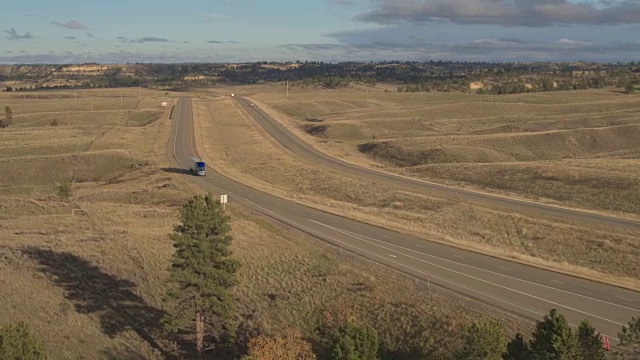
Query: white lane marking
(459,256)
(403,265)
(621,298)
(293,223)
(420,246)
(361,237)
(492,272)
(393,256)
(504,268)
(558,282)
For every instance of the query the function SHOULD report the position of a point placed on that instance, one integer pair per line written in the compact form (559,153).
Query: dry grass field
(238,147)
(86,272)
(579,149)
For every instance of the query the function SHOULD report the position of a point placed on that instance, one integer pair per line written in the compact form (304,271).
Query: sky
(120,31)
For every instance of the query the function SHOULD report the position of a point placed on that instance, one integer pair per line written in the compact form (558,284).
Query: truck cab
(197,167)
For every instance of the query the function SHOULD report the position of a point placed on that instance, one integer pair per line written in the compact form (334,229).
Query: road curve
(306,150)
(527,291)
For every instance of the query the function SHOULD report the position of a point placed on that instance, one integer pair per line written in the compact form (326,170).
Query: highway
(527,291)
(304,149)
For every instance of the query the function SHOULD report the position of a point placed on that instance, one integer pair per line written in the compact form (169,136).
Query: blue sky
(37,31)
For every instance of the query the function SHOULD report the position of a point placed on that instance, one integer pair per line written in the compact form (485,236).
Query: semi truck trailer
(198,167)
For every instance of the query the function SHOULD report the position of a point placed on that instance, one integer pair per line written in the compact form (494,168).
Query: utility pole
(91,102)
(75,96)
(287,89)
(121,103)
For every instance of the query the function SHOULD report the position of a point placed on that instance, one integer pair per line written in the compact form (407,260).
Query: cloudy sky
(74,31)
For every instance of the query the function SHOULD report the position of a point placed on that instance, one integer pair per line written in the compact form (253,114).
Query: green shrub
(18,343)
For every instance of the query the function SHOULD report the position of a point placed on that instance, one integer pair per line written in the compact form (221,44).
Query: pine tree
(517,349)
(554,339)
(590,345)
(17,342)
(630,337)
(356,342)
(202,271)
(484,341)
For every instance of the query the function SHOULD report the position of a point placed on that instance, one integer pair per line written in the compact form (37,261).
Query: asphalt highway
(527,291)
(304,149)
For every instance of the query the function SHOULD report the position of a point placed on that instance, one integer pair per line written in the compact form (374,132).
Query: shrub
(17,342)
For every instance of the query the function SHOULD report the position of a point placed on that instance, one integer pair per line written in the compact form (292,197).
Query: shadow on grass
(91,290)
(176,171)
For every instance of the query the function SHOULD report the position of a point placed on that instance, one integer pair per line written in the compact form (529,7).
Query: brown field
(579,148)
(251,156)
(86,272)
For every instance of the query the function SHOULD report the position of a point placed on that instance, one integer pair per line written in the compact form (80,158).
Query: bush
(65,189)
(629,88)
(54,122)
(290,346)
(17,342)
(356,342)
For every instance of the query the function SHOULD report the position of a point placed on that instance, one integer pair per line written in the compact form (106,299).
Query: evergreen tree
(484,341)
(554,339)
(630,337)
(589,342)
(517,349)
(18,343)
(356,342)
(202,271)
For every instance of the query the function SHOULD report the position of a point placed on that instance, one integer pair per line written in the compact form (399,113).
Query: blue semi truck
(198,167)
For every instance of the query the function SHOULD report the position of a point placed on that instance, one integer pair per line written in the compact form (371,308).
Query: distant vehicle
(197,167)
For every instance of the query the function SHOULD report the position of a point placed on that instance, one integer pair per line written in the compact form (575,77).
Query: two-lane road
(527,291)
(301,148)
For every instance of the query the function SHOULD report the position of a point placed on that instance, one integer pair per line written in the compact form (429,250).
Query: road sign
(223,201)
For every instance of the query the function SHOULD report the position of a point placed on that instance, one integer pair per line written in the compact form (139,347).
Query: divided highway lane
(301,148)
(524,290)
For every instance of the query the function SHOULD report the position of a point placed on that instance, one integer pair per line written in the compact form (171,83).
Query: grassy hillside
(86,272)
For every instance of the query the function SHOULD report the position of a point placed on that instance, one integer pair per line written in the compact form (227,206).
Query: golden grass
(89,281)
(237,147)
(413,133)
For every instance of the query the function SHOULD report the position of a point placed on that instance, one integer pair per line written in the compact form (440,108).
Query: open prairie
(86,207)
(244,151)
(579,149)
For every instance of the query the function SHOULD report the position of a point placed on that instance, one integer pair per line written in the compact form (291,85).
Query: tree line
(411,76)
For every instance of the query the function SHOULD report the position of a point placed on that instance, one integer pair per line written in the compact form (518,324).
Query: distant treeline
(496,78)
